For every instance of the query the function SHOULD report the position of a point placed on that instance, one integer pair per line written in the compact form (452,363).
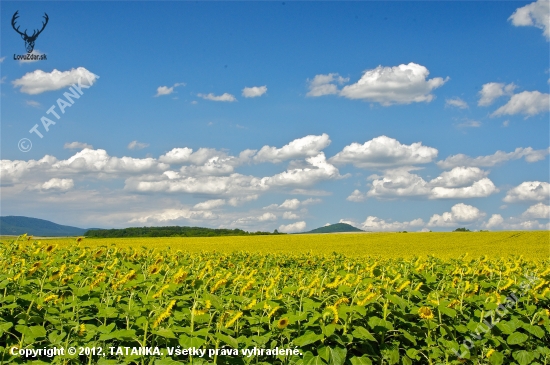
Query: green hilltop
(336,228)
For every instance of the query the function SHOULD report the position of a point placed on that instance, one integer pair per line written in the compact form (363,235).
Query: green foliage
(173,231)
(463,229)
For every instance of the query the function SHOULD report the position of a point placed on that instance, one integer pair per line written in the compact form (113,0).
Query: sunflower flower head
(282,323)
(425,313)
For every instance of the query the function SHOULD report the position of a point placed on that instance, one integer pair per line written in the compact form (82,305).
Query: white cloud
(165,90)
(460,213)
(34,104)
(492,91)
(459,177)
(290,204)
(528,191)
(135,145)
(356,196)
(479,189)
(223,97)
(384,152)
(307,146)
(536,14)
(2,59)
(56,184)
(293,227)
(529,103)
(470,124)
(325,84)
(77,146)
(235,184)
(498,157)
(526,221)
(398,182)
(403,84)
(290,215)
(457,102)
(255,91)
(177,156)
(210,204)
(38,81)
(319,170)
(377,224)
(174,214)
(495,221)
(236,201)
(457,183)
(293,204)
(267,217)
(537,211)
(88,161)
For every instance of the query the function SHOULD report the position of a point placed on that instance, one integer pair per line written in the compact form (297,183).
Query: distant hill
(335,228)
(16,225)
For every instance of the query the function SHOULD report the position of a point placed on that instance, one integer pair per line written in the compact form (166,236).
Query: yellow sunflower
(282,323)
(425,313)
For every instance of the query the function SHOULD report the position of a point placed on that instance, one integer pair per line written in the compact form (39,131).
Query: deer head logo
(29,39)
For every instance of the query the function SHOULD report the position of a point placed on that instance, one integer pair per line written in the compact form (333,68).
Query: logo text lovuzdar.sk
(29,40)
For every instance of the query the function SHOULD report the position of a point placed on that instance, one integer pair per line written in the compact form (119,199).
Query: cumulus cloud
(293,227)
(536,14)
(457,183)
(526,221)
(77,146)
(224,97)
(492,91)
(479,189)
(460,213)
(528,191)
(174,214)
(38,81)
(459,177)
(456,102)
(210,204)
(254,92)
(384,152)
(493,222)
(135,145)
(528,103)
(356,196)
(537,211)
(293,204)
(240,200)
(56,184)
(325,84)
(498,157)
(307,146)
(165,90)
(377,224)
(403,84)
(86,161)
(290,215)
(235,184)
(398,183)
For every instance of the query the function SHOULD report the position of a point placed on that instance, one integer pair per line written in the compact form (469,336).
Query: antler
(34,34)
(13,19)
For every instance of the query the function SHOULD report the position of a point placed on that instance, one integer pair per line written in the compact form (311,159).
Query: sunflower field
(145,305)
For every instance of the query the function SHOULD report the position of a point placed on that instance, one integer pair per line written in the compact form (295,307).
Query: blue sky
(280,115)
